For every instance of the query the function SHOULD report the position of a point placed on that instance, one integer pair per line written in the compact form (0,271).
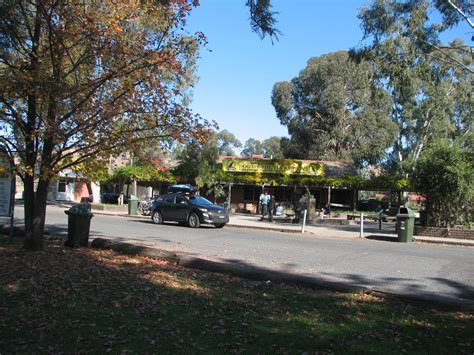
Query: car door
(167,207)
(181,208)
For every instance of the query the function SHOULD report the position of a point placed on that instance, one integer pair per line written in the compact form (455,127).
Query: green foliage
(269,148)
(198,158)
(252,147)
(348,181)
(334,111)
(129,173)
(429,83)
(387,182)
(218,190)
(81,81)
(272,148)
(262,18)
(126,174)
(444,175)
(93,169)
(226,142)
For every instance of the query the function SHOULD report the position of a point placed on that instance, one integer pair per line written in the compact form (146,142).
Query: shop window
(250,194)
(279,194)
(282,194)
(62,186)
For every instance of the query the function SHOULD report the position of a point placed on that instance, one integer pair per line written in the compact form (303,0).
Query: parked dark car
(188,210)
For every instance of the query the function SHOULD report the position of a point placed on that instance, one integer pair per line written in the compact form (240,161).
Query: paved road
(421,270)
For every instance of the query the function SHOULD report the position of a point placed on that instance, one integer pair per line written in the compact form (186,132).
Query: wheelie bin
(79,221)
(405,224)
(133,206)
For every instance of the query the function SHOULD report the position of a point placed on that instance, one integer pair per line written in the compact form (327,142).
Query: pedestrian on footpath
(260,203)
(271,208)
(265,201)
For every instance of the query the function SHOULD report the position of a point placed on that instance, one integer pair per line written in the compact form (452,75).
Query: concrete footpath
(371,229)
(323,229)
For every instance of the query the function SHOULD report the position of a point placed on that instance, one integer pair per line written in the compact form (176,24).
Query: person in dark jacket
(271,208)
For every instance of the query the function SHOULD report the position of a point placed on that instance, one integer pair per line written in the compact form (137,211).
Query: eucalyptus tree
(334,110)
(251,147)
(429,82)
(226,142)
(198,158)
(272,148)
(269,148)
(263,18)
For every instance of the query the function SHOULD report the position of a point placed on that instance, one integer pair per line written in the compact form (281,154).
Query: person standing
(260,203)
(327,210)
(265,200)
(271,208)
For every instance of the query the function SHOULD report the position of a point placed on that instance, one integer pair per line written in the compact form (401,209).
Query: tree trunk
(29,204)
(31,243)
(40,211)
(34,224)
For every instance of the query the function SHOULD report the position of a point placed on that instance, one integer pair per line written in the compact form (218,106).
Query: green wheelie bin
(405,224)
(133,206)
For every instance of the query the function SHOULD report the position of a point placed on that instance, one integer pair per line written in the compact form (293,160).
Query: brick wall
(443,232)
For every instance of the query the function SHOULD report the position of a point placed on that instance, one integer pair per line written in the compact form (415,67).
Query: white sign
(6,181)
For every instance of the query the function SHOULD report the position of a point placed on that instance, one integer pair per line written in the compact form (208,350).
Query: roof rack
(183,189)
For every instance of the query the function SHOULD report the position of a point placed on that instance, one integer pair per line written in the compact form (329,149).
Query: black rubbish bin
(78,226)
(405,224)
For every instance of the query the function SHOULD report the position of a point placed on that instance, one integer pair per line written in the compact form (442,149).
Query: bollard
(304,221)
(361,225)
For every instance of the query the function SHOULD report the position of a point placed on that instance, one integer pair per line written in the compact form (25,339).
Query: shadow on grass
(78,300)
(462,295)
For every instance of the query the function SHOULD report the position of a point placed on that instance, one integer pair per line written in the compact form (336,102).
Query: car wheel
(220,225)
(156,217)
(193,220)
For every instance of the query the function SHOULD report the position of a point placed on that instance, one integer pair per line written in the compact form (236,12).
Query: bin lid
(405,212)
(80,209)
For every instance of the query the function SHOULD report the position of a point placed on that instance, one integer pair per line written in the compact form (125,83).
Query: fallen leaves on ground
(91,300)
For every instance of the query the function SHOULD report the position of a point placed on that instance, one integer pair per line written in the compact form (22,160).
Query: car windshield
(198,200)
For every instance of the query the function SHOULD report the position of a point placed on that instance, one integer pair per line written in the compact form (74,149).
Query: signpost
(7,188)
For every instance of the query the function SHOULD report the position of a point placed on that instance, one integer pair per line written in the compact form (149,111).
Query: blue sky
(238,70)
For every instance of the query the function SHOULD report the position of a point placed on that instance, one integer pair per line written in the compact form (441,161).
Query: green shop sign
(285,167)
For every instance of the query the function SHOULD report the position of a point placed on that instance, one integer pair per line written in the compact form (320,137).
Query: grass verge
(84,300)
